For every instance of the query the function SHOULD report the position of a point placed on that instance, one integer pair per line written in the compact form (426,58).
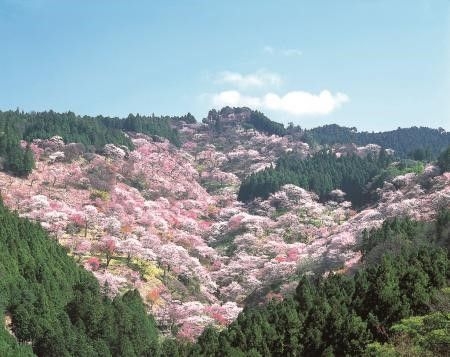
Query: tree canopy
(56,308)
(93,132)
(321,173)
(444,160)
(420,141)
(347,315)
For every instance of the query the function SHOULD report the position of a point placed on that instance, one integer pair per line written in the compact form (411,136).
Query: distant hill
(416,142)
(92,132)
(405,141)
(245,118)
(88,130)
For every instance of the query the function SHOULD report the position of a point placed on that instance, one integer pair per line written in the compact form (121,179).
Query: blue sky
(373,64)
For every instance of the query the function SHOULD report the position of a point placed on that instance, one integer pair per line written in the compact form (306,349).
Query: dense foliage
(72,128)
(249,119)
(261,123)
(399,235)
(321,173)
(56,308)
(130,237)
(187,118)
(151,125)
(341,315)
(444,160)
(92,132)
(405,141)
(426,335)
(388,173)
(13,157)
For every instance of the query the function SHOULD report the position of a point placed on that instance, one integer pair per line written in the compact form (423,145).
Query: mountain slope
(405,141)
(341,315)
(56,307)
(166,220)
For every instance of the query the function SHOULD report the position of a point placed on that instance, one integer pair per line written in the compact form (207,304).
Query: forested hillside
(321,174)
(444,160)
(56,308)
(246,118)
(92,132)
(158,225)
(263,124)
(13,157)
(341,315)
(405,141)
(177,178)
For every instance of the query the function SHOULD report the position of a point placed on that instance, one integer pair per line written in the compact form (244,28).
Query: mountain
(424,142)
(245,118)
(151,204)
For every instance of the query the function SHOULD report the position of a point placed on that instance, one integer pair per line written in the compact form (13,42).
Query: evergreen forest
(320,173)
(56,308)
(93,132)
(416,142)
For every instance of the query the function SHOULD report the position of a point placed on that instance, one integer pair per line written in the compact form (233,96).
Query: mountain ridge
(166,220)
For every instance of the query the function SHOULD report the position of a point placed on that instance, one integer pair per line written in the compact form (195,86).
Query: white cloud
(235,99)
(292,52)
(304,103)
(295,103)
(257,79)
